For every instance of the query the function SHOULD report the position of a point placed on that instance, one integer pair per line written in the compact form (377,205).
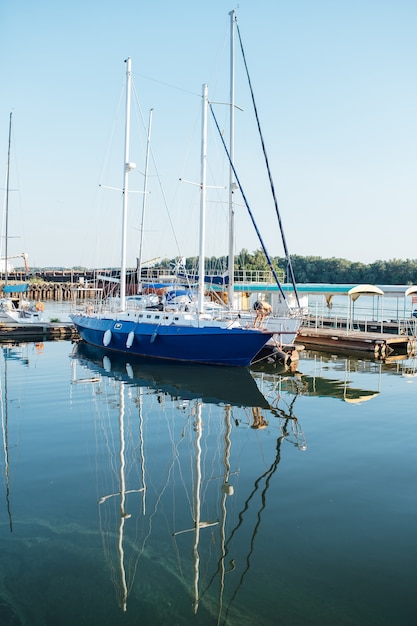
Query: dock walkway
(339,339)
(37,332)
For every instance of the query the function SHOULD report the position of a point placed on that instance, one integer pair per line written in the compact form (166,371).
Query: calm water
(299,507)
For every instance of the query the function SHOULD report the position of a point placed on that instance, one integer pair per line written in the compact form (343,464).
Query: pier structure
(48,331)
(380,345)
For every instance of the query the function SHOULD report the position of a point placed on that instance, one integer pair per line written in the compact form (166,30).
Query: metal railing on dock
(400,326)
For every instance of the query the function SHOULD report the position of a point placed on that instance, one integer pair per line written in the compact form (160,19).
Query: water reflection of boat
(228,385)
(192,468)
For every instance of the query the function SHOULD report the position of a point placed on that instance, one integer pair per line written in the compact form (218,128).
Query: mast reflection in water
(200,477)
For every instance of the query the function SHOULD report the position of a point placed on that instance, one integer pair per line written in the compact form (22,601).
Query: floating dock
(342,340)
(47,331)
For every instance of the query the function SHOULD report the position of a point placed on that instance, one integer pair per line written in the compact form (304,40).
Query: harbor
(325,339)
(205,420)
(336,318)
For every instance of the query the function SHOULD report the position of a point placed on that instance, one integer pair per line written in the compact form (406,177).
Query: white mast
(6,241)
(128,167)
(232,183)
(203,201)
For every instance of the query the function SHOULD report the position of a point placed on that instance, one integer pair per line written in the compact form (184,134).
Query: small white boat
(14,308)
(20,312)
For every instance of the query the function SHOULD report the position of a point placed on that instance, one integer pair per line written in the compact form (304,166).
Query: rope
(268,258)
(287,256)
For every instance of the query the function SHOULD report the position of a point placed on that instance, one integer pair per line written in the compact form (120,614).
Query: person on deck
(263,309)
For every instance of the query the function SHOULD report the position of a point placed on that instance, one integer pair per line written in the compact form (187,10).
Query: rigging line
(284,243)
(268,258)
(161,82)
(268,475)
(141,548)
(165,204)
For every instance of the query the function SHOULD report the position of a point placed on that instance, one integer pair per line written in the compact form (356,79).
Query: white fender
(130,338)
(107,364)
(129,370)
(107,337)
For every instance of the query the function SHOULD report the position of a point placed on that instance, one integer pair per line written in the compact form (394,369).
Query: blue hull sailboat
(177,335)
(172,336)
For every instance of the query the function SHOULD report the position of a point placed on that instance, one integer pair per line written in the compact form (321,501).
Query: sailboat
(15,310)
(178,335)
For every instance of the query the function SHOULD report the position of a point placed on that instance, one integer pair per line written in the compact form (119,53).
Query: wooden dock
(47,331)
(342,340)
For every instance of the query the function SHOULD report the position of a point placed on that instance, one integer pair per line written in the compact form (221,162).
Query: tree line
(314,269)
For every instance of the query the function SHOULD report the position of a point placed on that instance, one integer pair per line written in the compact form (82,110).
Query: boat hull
(211,345)
(21,315)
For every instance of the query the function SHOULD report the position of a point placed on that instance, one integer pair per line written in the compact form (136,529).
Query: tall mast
(145,191)
(128,167)
(232,184)
(6,242)
(203,201)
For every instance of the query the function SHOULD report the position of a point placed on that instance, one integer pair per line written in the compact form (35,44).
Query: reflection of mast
(122,469)
(198,524)
(227,490)
(267,476)
(288,426)
(123,514)
(4,430)
(197,505)
(142,449)
(122,493)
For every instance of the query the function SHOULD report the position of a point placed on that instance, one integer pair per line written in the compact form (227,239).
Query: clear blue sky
(335,84)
